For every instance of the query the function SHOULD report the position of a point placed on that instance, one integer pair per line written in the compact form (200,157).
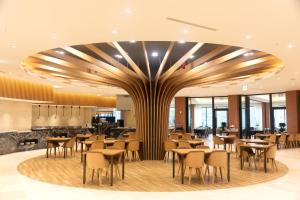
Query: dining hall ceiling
(29,27)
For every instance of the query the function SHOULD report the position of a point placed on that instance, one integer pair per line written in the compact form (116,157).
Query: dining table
(260,147)
(57,140)
(254,141)
(182,153)
(111,154)
(193,143)
(80,138)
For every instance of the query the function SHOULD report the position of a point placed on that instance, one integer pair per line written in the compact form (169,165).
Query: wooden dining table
(255,141)
(183,153)
(56,140)
(263,147)
(262,135)
(80,138)
(193,143)
(111,153)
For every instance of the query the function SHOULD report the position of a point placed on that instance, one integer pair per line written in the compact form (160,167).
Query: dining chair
(98,144)
(184,145)
(133,148)
(250,156)
(96,161)
(202,147)
(70,145)
(195,160)
(168,145)
(270,155)
(217,141)
(174,136)
(92,138)
(282,141)
(291,140)
(297,139)
(132,136)
(186,136)
(53,145)
(119,144)
(272,139)
(218,160)
(101,137)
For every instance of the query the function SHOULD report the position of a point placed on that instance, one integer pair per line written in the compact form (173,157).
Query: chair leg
(190,175)
(93,175)
(201,175)
(221,173)
(100,176)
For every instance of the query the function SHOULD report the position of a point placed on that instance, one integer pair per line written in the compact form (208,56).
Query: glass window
(172,114)
(279,111)
(202,112)
(259,112)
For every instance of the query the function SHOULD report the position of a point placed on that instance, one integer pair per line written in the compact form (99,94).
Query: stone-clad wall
(36,139)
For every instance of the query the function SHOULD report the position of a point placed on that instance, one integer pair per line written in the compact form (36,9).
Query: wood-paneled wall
(293,111)
(234,110)
(180,111)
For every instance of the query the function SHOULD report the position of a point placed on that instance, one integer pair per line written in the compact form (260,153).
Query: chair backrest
(132,136)
(101,137)
(169,145)
(98,144)
(184,145)
(92,138)
(133,145)
(282,139)
(195,159)
(187,136)
(217,140)
(272,139)
(291,137)
(238,148)
(119,144)
(96,160)
(71,142)
(217,158)
(174,136)
(202,147)
(271,152)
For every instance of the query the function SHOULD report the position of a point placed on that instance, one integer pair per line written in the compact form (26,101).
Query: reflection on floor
(154,176)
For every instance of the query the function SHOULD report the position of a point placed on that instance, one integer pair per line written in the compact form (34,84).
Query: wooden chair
(272,139)
(217,141)
(282,141)
(133,148)
(101,137)
(186,136)
(92,138)
(202,147)
(132,136)
(53,145)
(218,160)
(291,140)
(70,145)
(270,154)
(249,155)
(168,145)
(119,144)
(96,161)
(297,139)
(184,145)
(99,144)
(174,136)
(195,160)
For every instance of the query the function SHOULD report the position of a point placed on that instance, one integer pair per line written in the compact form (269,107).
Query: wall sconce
(55,111)
(39,111)
(48,111)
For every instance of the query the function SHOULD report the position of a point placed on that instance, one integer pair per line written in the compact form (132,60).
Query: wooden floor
(141,175)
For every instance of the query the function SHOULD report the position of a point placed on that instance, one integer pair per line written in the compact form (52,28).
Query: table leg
(228,167)
(182,170)
(84,168)
(173,160)
(47,149)
(81,151)
(123,165)
(111,170)
(265,160)
(64,152)
(224,145)
(76,144)
(241,157)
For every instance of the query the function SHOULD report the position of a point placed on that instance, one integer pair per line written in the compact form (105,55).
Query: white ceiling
(272,24)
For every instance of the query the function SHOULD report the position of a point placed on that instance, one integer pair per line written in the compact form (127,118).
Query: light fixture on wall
(71,112)
(63,111)
(79,110)
(48,111)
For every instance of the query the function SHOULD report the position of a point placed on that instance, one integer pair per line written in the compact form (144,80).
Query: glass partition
(201,112)
(279,112)
(260,113)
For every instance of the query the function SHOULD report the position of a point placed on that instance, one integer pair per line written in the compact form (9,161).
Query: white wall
(62,118)
(15,115)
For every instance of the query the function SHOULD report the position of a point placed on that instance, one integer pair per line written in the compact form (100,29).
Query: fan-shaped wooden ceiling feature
(152,73)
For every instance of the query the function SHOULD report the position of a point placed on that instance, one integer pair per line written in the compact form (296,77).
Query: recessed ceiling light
(118,56)
(248,37)
(296,73)
(128,11)
(185,30)
(290,46)
(114,31)
(132,41)
(53,37)
(181,41)
(245,87)
(248,54)
(60,52)
(192,56)
(154,54)
(98,95)
(13,46)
